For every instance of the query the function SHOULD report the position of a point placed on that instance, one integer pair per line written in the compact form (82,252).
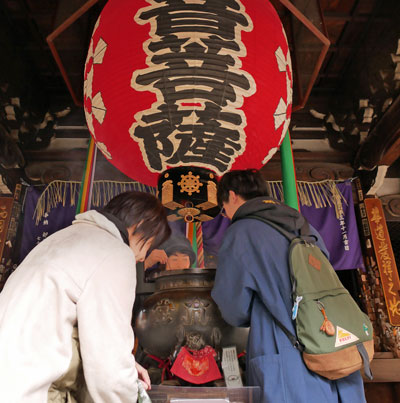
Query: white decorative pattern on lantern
(281,116)
(280,113)
(103,148)
(284,65)
(270,154)
(97,108)
(193,58)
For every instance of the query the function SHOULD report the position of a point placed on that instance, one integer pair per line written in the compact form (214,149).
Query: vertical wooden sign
(385,259)
(6,204)
(10,214)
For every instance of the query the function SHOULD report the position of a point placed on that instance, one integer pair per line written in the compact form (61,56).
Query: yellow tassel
(317,194)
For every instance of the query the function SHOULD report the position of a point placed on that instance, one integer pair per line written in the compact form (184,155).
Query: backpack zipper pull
(327,325)
(296,307)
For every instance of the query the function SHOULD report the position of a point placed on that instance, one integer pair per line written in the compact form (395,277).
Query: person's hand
(143,376)
(156,256)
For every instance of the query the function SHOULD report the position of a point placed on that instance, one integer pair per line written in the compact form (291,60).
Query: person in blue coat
(252,286)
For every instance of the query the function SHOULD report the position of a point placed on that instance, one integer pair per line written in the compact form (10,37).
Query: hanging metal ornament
(189,193)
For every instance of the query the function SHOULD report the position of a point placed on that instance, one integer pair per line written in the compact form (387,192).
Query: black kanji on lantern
(194,68)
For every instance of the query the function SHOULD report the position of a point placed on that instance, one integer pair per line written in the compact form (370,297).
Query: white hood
(95,218)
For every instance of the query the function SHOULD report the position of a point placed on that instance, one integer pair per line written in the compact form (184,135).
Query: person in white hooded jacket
(83,276)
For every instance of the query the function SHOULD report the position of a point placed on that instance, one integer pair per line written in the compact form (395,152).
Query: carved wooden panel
(391,207)
(310,171)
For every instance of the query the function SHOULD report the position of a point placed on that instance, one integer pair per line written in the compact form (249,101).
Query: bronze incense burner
(181,312)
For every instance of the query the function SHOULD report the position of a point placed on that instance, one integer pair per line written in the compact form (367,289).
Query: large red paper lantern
(203,83)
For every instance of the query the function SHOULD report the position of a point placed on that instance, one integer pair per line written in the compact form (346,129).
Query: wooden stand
(385,387)
(164,394)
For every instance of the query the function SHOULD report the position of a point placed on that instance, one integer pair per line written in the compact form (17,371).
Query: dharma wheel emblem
(190,183)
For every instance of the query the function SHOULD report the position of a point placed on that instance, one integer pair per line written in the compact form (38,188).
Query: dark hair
(247,183)
(143,210)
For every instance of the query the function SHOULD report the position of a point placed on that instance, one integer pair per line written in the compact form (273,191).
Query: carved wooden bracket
(382,146)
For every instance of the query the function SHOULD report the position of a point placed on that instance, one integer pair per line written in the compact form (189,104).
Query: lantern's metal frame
(322,36)
(286,3)
(57,32)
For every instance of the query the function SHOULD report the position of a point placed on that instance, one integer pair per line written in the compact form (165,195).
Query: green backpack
(333,334)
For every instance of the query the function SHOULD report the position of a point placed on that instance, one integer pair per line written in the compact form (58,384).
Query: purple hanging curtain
(38,226)
(339,234)
(57,218)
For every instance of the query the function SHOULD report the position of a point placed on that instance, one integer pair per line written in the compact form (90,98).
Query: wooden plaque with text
(385,259)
